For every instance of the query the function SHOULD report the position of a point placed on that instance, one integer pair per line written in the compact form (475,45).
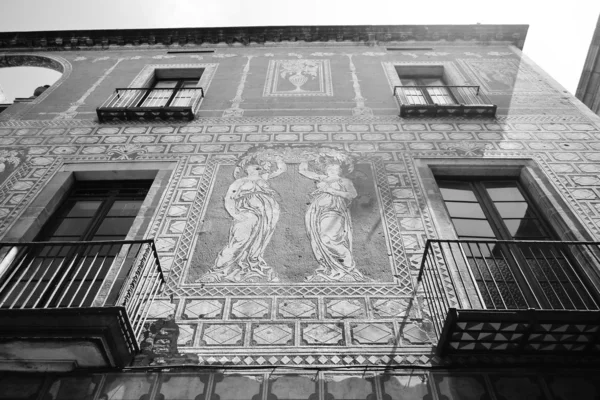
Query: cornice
(261,35)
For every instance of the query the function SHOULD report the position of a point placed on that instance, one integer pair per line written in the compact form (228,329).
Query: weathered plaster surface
(380,321)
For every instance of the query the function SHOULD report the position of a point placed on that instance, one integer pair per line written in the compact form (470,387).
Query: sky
(559,34)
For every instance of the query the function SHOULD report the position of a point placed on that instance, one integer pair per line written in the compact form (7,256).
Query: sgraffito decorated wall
(292,225)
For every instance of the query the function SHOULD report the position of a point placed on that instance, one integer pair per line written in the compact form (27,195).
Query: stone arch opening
(35,92)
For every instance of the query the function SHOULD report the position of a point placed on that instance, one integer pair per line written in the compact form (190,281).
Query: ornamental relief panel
(298,77)
(295,214)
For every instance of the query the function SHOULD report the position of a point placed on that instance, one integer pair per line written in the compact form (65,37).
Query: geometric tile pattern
(203,308)
(250,308)
(186,335)
(520,334)
(322,334)
(297,308)
(161,309)
(272,334)
(345,308)
(372,333)
(414,334)
(222,335)
(390,308)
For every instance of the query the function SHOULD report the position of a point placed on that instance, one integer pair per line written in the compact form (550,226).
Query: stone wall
(289,314)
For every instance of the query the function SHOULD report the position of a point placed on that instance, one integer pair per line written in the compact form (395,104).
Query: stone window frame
(545,197)
(148,73)
(450,74)
(55,191)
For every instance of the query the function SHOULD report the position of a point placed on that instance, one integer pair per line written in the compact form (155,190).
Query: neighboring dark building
(365,212)
(588,89)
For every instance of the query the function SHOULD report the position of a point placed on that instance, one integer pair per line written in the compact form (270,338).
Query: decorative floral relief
(301,77)
(126,152)
(10,157)
(468,148)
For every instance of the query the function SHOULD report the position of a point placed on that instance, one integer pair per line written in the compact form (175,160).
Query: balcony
(443,101)
(517,297)
(65,305)
(149,104)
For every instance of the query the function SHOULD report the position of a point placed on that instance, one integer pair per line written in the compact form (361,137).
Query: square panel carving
(298,77)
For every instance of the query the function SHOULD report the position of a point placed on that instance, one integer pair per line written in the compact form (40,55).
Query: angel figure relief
(328,222)
(298,72)
(252,204)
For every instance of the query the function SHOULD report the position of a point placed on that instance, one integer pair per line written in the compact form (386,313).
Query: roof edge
(369,34)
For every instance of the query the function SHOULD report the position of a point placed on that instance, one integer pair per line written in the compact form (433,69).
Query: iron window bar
(139,103)
(556,275)
(443,100)
(75,274)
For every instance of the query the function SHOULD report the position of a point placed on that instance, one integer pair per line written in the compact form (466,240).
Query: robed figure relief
(328,224)
(252,204)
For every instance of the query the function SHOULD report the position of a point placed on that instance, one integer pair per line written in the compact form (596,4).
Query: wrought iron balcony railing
(151,104)
(446,100)
(512,295)
(82,284)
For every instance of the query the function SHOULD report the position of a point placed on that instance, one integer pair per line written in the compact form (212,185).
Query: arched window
(25,78)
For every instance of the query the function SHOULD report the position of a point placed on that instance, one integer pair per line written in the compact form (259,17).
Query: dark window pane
(84,208)
(72,227)
(465,210)
(473,227)
(514,210)
(524,228)
(114,227)
(457,191)
(504,191)
(125,208)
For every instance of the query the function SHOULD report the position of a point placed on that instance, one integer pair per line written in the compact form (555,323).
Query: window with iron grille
(72,270)
(518,270)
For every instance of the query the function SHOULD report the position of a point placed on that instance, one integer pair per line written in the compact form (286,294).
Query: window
(436,90)
(425,84)
(63,274)
(511,273)
(492,210)
(96,210)
(427,90)
(169,93)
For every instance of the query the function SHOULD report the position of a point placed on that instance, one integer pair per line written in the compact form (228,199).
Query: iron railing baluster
(66,274)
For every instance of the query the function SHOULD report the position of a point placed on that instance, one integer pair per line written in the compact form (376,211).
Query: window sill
(448,110)
(106,114)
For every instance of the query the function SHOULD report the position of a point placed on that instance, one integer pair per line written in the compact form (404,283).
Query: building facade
(588,89)
(393,212)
